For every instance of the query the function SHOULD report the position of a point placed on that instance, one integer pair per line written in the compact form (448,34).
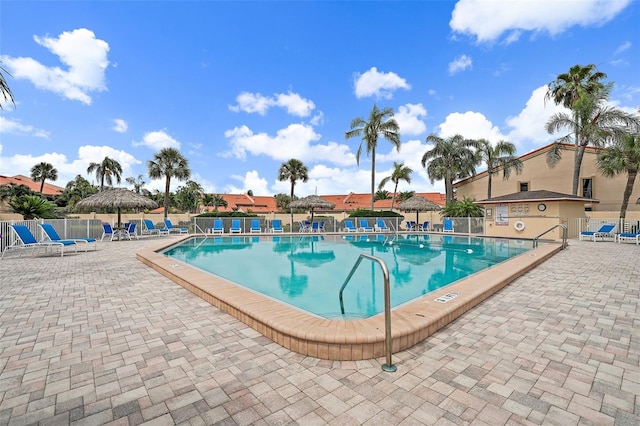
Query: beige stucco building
(537,175)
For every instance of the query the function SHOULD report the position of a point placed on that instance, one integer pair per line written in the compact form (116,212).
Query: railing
(564,235)
(387,306)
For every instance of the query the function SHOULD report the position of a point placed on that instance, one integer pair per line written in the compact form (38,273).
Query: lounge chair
(25,239)
(129,231)
(381,226)
(315,227)
(50,234)
(411,225)
(150,228)
(321,226)
(107,231)
(424,226)
(605,230)
(276,226)
(168,225)
(236,227)
(255,226)
(447,225)
(305,226)
(218,227)
(629,236)
(348,226)
(364,226)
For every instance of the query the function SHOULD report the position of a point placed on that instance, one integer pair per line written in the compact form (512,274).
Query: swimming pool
(337,339)
(307,271)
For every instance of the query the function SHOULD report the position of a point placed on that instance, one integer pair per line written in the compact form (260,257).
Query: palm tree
(219,201)
(567,88)
(293,171)
(137,183)
(382,194)
(43,171)
(622,157)
(593,122)
(501,156)
(5,90)
(400,172)
(107,170)
(381,123)
(168,162)
(13,190)
(450,159)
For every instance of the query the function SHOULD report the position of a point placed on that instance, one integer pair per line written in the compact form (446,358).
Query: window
(587,188)
(524,186)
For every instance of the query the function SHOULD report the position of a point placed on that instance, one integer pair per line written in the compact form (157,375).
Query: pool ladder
(389,367)
(564,235)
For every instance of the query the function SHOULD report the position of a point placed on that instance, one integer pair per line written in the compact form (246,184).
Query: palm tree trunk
(631,178)
(489,184)
(41,186)
(293,184)
(373,175)
(166,196)
(576,168)
(393,198)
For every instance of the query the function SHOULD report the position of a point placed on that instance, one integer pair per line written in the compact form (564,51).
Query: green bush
(374,213)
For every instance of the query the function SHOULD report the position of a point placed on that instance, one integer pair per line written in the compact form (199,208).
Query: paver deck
(99,338)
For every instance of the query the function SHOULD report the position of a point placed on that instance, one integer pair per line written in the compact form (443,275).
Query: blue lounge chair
(364,226)
(348,226)
(381,226)
(24,239)
(411,225)
(107,231)
(424,226)
(50,234)
(168,225)
(605,230)
(276,226)
(150,228)
(321,226)
(236,227)
(255,226)
(315,227)
(447,225)
(129,231)
(218,227)
(305,226)
(629,236)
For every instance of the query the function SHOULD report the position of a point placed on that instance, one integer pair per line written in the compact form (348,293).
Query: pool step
(344,317)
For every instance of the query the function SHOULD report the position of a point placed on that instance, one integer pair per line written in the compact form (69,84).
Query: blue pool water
(308,271)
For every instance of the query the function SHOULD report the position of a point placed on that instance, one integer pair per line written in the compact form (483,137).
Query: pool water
(307,272)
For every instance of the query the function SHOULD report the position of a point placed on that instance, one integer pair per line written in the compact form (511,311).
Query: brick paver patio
(98,338)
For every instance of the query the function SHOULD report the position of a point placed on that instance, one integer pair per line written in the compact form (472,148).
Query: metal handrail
(564,234)
(387,305)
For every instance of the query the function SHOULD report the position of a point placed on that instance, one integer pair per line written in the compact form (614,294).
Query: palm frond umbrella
(418,204)
(311,203)
(116,198)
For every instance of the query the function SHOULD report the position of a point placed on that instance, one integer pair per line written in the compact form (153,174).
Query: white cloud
(119,125)
(471,125)
(378,84)
(488,20)
(294,141)
(158,140)
(460,63)
(528,127)
(293,103)
(624,46)
(80,51)
(250,181)
(409,118)
(17,128)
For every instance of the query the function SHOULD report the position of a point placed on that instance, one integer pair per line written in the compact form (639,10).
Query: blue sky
(241,87)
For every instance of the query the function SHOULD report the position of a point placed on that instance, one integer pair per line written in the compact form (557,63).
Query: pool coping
(345,340)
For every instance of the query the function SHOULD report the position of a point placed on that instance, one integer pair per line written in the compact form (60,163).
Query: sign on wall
(502,215)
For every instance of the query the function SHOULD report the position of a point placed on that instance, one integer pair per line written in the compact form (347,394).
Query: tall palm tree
(5,90)
(137,183)
(592,122)
(400,172)
(106,170)
(43,171)
(498,156)
(168,163)
(293,171)
(622,157)
(450,159)
(568,87)
(381,123)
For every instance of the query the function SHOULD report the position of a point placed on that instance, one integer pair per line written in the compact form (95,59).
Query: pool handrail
(388,343)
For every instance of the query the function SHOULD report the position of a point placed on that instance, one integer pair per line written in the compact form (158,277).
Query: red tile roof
(49,189)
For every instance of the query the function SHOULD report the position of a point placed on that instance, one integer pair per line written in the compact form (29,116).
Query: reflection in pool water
(308,271)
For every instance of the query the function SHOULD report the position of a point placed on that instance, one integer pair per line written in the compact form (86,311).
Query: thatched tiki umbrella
(311,203)
(418,204)
(116,198)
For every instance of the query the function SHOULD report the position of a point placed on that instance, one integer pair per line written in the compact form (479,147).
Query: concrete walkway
(98,338)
